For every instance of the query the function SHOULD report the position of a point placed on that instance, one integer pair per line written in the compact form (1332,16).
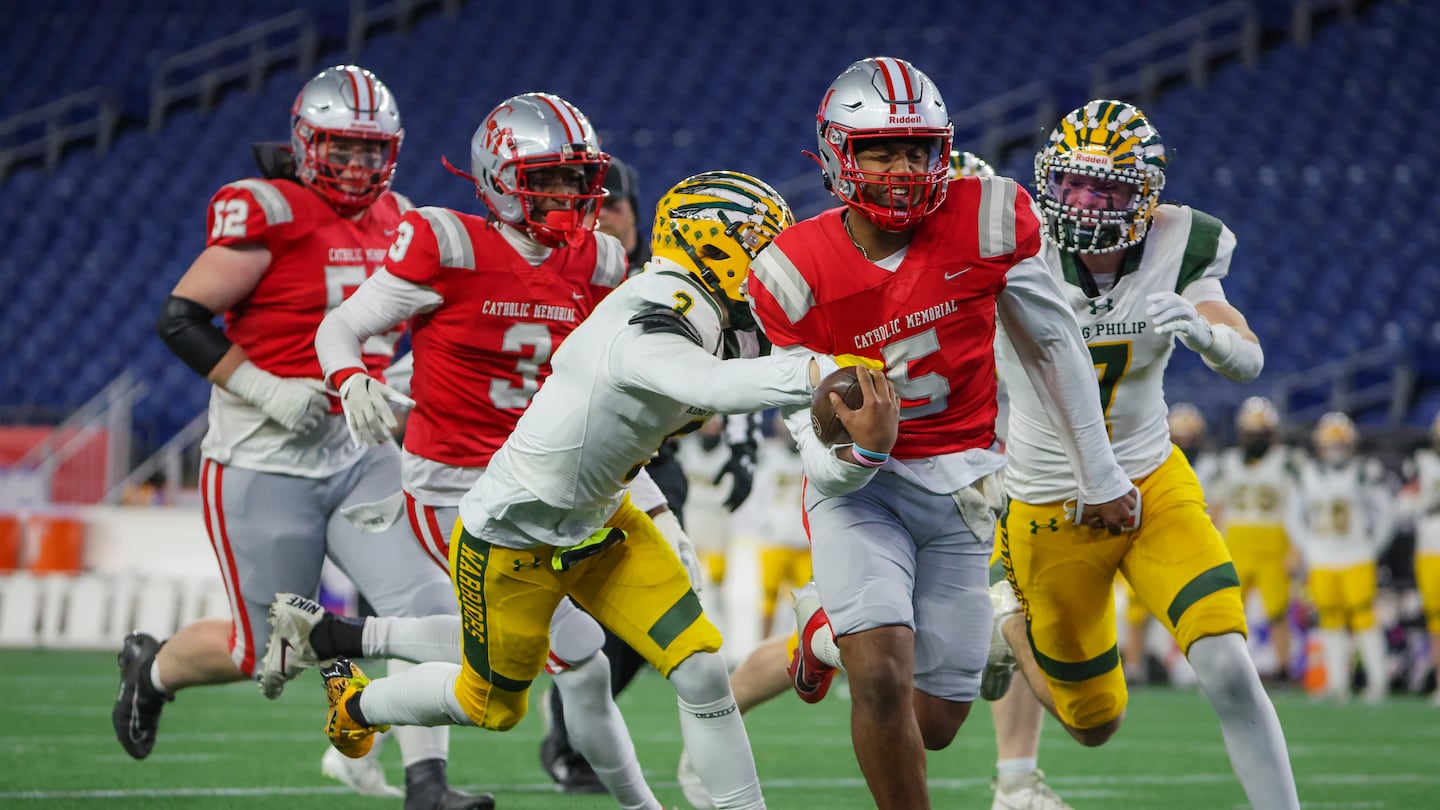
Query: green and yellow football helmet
(1335,437)
(713,224)
(968,164)
(1110,140)
(1187,424)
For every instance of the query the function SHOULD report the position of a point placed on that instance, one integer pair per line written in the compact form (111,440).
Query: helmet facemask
(1103,145)
(714,224)
(564,225)
(894,201)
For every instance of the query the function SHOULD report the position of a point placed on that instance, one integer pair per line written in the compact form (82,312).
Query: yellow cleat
(343,680)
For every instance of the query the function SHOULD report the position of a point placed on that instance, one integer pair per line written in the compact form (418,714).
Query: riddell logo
(906,119)
(1097,159)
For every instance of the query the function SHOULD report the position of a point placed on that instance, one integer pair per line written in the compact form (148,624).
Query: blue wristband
(870,455)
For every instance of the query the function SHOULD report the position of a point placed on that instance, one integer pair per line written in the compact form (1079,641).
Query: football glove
(669,526)
(741,469)
(298,404)
(367,403)
(1173,314)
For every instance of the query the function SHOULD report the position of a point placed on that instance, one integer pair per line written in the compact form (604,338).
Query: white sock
(598,732)
(714,733)
(155,678)
(1011,772)
(418,743)
(822,643)
(1336,647)
(422,696)
(418,639)
(1372,656)
(1252,732)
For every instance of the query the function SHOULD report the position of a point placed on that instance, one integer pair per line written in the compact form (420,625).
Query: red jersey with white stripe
(483,353)
(931,321)
(317,258)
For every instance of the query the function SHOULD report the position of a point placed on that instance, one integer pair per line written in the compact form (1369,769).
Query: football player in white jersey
(1340,520)
(1251,487)
(1137,275)
(1422,474)
(550,517)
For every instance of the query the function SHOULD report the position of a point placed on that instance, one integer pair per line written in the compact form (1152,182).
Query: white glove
(367,403)
(298,404)
(1172,313)
(669,526)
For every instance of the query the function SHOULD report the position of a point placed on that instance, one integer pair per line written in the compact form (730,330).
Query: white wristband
(1233,356)
(251,383)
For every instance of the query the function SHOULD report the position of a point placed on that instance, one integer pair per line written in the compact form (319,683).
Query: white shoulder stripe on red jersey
(402,203)
(272,201)
(611,263)
(997,217)
(784,281)
(456,249)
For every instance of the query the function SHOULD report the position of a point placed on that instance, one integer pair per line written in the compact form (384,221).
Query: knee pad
(575,637)
(1091,703)
(701,679)
(1215,615)
(487,706)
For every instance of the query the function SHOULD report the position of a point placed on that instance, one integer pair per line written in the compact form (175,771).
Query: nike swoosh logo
(957,274)
(389,231)
(578,296)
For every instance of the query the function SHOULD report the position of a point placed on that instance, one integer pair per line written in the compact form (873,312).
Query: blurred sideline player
(780,504)
(489,300)
(279,468)
(549,517)
(1137,275)
(908,276)
(1422,475)
(1252,487)
(1339,520)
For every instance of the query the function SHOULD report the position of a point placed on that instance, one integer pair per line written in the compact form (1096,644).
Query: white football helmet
(884,99)
(345,101)
(1335,437)
(536,131)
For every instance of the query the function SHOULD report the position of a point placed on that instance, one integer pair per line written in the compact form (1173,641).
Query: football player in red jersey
(908,275)
(279,467)
(489,299)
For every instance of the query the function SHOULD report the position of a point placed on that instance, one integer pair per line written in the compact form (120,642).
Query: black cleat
(137,708)
(426,789)
(574,775)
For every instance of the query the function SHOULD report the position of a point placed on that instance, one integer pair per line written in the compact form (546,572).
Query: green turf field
(230,748)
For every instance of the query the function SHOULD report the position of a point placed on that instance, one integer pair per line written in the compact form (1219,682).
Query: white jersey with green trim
(1182,246)
(1337,517)
(1253,493)
(1424,469)
(644,365)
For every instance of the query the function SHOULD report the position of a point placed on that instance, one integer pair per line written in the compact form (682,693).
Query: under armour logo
(533,562)
(1053,525)
(1100,305)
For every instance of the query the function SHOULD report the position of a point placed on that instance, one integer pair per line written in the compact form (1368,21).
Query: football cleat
(289,653)
(344,680)
(695,791)
(364,775)
(136,715)
(1031,793)
(1000,662)
(810,676)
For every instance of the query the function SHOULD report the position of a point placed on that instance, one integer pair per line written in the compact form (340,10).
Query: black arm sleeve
(187,328)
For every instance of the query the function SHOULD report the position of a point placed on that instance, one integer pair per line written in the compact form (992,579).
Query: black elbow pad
(665,320)
(188,329)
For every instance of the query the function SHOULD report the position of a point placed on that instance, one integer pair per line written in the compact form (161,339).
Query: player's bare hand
(1113,516)
(875,425)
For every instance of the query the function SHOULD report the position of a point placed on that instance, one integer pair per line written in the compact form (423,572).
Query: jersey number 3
(518,338)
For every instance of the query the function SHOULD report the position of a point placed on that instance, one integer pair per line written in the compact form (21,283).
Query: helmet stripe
(570,136)
(370,92)
(354,90)
(889,83)
(905,70)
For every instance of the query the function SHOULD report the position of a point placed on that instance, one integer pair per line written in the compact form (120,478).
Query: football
(828,427)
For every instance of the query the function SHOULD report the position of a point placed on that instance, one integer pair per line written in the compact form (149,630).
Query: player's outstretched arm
(1215,330)
(675,367)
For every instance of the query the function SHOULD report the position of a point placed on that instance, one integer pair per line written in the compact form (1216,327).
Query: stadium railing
(47,131)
